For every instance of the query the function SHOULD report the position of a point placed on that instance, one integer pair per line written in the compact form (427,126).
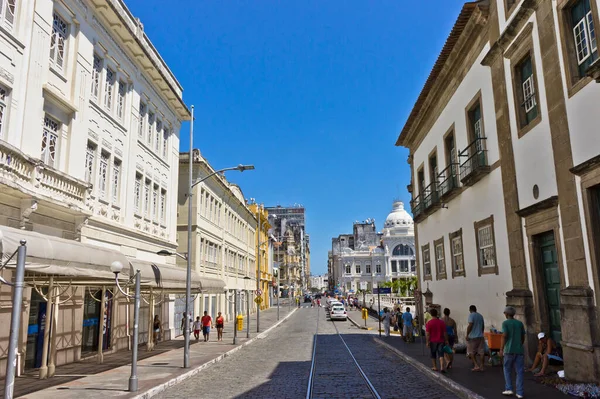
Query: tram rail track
(325,377)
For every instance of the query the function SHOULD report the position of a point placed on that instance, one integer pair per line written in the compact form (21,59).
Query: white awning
(172,278)
(48,255)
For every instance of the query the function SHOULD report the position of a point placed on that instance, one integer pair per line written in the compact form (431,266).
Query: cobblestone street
(248,373)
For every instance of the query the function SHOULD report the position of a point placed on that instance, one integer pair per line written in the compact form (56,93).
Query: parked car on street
(338,312)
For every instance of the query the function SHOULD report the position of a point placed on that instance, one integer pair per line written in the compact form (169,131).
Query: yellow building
(262,251)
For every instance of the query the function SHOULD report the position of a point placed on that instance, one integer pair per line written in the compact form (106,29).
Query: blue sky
(312,92)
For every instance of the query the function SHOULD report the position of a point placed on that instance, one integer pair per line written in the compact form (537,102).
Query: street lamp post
(116,268)
(188,257)
(15,320)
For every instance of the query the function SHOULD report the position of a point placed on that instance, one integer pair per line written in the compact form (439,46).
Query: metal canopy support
(53,333)
(150,342)
(102,326)
(44,367)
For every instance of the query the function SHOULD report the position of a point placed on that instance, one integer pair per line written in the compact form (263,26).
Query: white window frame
(103,174)
(147,189)
(166,135)
(427,262)
(3,110)
(142,120)
(7,15)
(155,198)
(368,269)
(97,66)
(122,93)
(485,243)
(529,93)
(116,180)
(50,133)
(163,206)
(439,259)
(348,269)
(584,36)
(456,243)
(378,268)
(90,159)
(150,132)
(59,41)
(109,88)
(157,138)
(357,268)
(137,193)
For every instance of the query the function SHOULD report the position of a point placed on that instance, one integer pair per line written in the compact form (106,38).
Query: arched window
(403,250)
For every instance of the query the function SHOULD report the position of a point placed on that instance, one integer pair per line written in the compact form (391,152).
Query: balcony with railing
(431,197)
(474,163)
(416,206)
(448,181)
(32,176)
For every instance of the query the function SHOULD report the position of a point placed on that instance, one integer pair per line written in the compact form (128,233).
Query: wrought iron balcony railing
(475,162)
(448,180)
(430,197)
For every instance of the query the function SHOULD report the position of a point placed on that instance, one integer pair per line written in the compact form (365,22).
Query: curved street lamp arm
(119,285)
(241,168)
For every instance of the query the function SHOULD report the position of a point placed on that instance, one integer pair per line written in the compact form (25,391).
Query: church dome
(398,218)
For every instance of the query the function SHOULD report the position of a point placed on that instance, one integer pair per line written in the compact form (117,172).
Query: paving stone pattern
(273,367)
(278,366)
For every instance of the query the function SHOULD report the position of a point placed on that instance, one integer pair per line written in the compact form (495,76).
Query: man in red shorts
(436,337)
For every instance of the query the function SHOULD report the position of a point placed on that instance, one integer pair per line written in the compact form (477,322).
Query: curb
(441,379)
(174,381)
(359,326)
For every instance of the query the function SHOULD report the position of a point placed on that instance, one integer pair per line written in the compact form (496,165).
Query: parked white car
(338,312)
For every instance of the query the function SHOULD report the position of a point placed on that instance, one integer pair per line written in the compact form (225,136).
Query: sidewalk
(488,384)
(157,369)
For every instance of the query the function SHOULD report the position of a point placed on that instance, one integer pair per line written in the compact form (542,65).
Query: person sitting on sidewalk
(511,349)
(436,338)
(547,351)
(475,341)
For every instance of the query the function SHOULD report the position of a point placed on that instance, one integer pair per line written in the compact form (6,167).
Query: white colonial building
(223,239)
(399,244)
(89,122)
(319,282)
(505,158)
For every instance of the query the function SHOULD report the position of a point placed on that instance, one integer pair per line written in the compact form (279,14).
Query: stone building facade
(399,243)
(505,171)
(359,260)
(89,122)
(293,255)
(223,239)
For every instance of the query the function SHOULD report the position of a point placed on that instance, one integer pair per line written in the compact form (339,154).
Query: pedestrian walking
(220,324)
(436,338)
(206,324)
(407,330)
(197,328)
(156,329)
(452,336)
(513,338)
(186,323)
(386,319)
(475,341)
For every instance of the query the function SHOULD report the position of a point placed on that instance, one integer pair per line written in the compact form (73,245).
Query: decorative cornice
(586,166)
(539,206)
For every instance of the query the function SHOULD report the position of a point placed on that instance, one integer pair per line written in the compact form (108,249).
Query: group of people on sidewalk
(203,324)
(441,336)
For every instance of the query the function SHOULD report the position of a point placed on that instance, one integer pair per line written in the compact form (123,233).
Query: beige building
(223,239)
(504,155)
(89,121)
